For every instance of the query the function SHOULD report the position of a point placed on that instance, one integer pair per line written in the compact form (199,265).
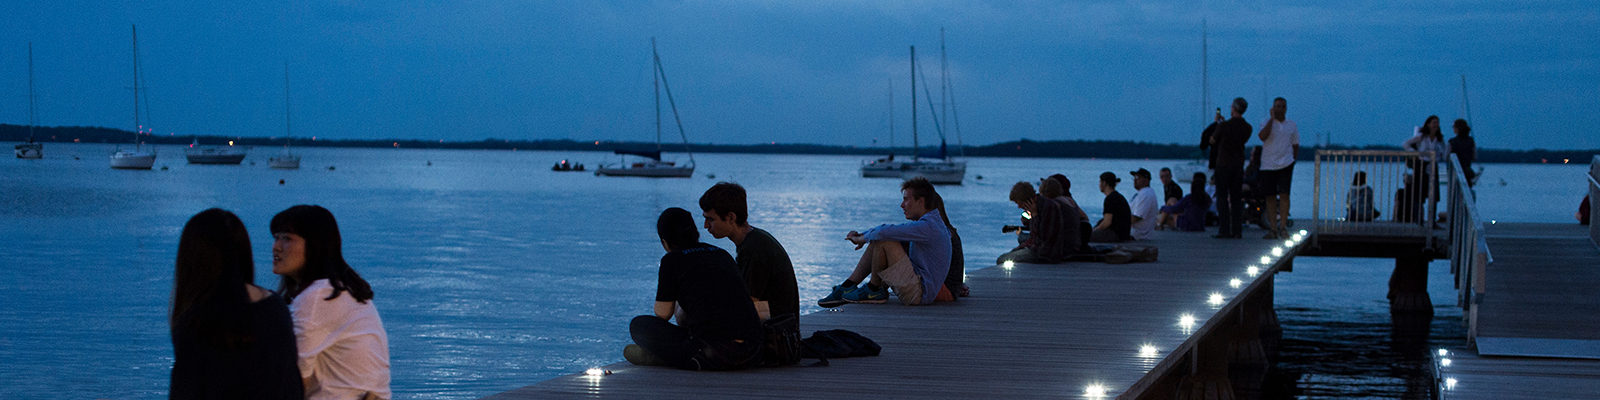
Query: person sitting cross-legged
(1054,233)
(718,328)
(912,258)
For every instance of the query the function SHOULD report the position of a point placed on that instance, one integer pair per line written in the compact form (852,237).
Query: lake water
(492,272)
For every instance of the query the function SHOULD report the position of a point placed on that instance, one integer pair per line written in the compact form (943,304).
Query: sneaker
(865,294)
(639,356)
(836,298)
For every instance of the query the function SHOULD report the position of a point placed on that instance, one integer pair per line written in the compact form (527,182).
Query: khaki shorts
(903,278)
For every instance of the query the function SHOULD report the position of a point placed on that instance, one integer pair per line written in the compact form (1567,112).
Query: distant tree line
(1118,149)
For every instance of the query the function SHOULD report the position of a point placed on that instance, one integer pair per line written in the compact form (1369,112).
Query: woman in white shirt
(1425,172)
(344,351)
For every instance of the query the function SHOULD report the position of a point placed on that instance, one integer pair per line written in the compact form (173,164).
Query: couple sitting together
(720,301)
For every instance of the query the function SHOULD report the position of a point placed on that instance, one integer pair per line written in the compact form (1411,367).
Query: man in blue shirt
(911,257)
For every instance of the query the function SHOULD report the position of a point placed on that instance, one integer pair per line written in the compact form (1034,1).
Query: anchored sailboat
(649,163)
(31,149)
(886,167)
(138,158)
(936,166)
(286,160)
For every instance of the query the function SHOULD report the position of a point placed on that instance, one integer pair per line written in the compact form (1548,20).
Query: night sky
(1354,72)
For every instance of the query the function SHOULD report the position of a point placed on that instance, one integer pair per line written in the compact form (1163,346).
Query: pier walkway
(1075,330)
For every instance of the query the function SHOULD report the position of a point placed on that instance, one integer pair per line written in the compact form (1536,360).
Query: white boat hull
(30,150)
(937,172)
(214,156)
(646,172)
(882,169)
(133,160)
(285,162)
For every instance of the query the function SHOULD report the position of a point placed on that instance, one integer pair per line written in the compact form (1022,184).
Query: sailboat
(648,163)
(138,158)
(31,149)
(936,166)
(886,167)
(213,154)
(286,160)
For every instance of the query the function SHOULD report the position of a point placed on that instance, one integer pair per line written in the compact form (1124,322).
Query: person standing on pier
(1145,207)
(1466,150)
(1280,141)
(1117,220)
(718,328)
(1207,144)
(763,263)
(1230,139)
(913,258)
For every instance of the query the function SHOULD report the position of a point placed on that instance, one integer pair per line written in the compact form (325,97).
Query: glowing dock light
(1443,352)
(1289,243)
(1252,271)
(1444,362)
(1148,351)
(1302,232)
(1450,383)
(596,372)
(1008,264)
(1215,299)
(1095,390)
(1186,321)
(1277,252)
(1235,283)
(1266,260)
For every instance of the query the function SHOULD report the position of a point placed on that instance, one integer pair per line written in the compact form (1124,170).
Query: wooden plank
(1031,331)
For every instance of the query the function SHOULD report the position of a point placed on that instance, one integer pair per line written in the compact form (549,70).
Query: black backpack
(839,343)
(782,336)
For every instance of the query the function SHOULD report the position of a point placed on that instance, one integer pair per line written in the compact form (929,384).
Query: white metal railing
(1395,195)
(1469,248)
(1594,199)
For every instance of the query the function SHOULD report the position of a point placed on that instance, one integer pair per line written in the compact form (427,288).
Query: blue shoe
(865,294)
(836,298)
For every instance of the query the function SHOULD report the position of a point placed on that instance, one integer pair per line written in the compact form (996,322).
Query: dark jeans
(674,344)
(1230,203)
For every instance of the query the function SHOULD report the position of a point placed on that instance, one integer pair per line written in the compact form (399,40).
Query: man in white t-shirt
(1280,141)
(1146,205)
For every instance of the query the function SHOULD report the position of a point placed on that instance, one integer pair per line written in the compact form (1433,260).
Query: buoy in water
(163,168)
(280,181)
(330,167)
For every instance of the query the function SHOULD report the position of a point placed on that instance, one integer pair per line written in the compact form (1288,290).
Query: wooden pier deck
(1030,331)
(1538,321)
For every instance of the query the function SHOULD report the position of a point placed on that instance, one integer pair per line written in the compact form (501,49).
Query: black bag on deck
(782,345)
(839,343)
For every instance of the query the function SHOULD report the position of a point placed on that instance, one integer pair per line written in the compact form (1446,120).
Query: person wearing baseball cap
(1145,205)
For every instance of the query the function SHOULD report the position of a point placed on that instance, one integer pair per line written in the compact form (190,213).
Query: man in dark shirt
(718,329)
(1465,150)
(1206,144)
(1053,231)
(1230,138)
(768,274)
(1171,194)
(1117,221)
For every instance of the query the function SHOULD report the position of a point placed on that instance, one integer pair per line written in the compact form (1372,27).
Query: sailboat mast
(891,116)
(1205,77)
(655,77)
(287,126)
(137,127)
(944,82)
(1464,102)
(33,118)
(915,145)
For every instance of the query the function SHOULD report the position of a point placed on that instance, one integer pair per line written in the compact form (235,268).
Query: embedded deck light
(1277,252)
(1095,390)
(596,372)
(1235,283)
(1266,260)
(1252,271)
(1008,264)
(1148,351)
(1215,299)
(1450,383)
(1186,321)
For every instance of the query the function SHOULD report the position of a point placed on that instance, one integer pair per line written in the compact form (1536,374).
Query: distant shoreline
(1017,148)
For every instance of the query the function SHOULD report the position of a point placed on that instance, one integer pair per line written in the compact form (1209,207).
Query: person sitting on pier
(912,258)
(1190,212)
(763,263)
(1053,227)
(231,339)
(1065,197)
(718,328)
(1117,219)
(1171,194)
(1358,201)
(344,350)
(1145,206)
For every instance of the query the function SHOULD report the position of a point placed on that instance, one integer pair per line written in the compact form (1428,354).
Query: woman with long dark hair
(1421,189)
(344,351)
(230,338)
